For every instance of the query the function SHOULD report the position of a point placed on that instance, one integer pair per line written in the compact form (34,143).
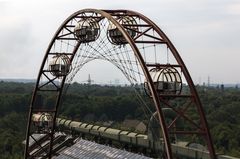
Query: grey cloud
(200,30)
(16,44)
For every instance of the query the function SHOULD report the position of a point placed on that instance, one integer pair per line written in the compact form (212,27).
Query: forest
(221,105)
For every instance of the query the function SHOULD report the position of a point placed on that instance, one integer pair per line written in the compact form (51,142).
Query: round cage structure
(42,121)
(167,81)
(115,35)
(87,30)
(154,127)
(60,65)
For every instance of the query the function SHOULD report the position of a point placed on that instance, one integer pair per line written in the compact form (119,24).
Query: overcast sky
(205,32)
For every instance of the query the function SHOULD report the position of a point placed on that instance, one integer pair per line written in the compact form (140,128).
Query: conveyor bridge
(130,141)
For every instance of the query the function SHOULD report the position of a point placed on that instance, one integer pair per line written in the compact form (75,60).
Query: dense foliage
(222,107)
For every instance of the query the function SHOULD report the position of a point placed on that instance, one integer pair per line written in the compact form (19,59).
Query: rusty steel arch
(52,81)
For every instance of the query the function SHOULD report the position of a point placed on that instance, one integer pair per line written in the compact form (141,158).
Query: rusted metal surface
(55,85)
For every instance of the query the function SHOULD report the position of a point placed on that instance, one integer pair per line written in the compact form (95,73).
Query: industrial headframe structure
(141,51)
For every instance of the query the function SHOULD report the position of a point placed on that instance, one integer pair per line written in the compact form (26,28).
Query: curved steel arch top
(142,40)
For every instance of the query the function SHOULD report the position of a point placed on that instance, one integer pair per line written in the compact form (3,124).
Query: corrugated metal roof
(90,150)
(33,138)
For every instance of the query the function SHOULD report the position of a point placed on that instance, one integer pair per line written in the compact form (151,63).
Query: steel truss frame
(55,85)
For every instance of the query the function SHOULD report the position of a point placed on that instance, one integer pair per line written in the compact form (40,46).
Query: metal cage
(166,81)
(114,34)
(42,122)
(60,65)
(87,30)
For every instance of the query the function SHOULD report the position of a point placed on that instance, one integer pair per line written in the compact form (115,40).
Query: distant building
(222,87)
(103,120)
(108,123)
(136,125)
(236,86)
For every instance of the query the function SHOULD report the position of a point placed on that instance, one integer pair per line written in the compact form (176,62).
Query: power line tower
(89,81)
(208,81)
